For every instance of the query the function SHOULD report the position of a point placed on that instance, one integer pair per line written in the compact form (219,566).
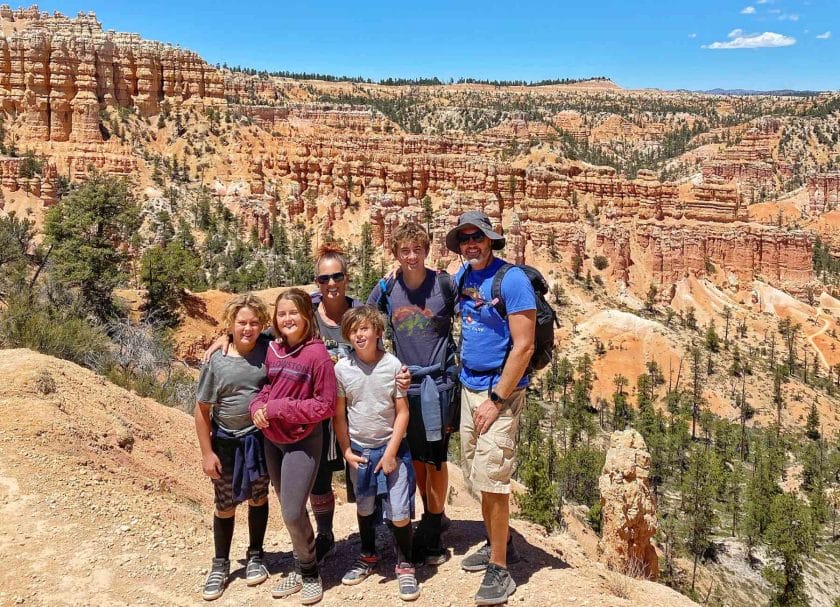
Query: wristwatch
(497,400)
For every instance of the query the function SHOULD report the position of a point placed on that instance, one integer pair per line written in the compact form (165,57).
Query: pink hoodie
(301,392)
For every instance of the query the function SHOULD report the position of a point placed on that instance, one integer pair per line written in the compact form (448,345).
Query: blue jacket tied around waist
(249,458)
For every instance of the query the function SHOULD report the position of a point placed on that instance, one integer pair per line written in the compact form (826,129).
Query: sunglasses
(323,279)
(472,236)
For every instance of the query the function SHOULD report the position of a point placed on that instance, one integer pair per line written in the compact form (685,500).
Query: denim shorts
(396,504)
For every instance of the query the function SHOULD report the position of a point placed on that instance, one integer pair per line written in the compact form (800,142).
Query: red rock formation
(715,200)
(743,251)
(44,186)
(614,242)
(58,73)
(628,507)
(750,162)
(823,192)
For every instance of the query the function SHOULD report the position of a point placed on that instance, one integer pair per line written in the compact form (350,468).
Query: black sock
(257,523)
(432,529)
(223,535)
(403,537)
(367,532)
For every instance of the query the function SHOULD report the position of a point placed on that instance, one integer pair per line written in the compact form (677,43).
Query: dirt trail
(89,522)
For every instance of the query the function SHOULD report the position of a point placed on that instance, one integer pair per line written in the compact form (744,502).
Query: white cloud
(824,36)
(737,39)
(762,1)
(789,17)
(692,35)
(748,10)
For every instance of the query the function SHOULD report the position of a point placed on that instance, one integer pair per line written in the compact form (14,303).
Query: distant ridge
(419,81)
(750,92)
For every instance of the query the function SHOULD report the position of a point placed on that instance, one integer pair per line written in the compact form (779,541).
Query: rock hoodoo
(628,506)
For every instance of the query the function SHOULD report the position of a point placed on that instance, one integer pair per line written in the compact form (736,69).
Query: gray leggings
(296,465)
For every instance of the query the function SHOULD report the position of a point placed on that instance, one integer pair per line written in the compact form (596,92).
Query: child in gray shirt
(371,420)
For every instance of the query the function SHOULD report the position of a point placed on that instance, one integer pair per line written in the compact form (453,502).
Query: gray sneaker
(496,587)
(360,570)
(478,560)
(288,585)
(312,591)
(255,571)
(216,580)
(409,589)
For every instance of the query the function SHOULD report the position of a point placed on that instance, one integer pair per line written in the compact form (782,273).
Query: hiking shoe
(496,586)
(360,570)
(409,589)
(255,571)
(435,556)
(313,590)
(216,580)
(324,546)
(478,560)
(288,585)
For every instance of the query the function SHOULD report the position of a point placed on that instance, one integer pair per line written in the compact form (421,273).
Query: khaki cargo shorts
(490,457)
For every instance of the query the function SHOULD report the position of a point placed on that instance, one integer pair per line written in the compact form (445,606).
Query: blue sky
(758,44)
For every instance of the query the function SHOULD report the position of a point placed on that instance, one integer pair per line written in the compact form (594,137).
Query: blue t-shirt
(485,333)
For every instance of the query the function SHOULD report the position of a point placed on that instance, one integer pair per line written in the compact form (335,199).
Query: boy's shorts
(396,504)
(490,457)
(422,450)
(223,487)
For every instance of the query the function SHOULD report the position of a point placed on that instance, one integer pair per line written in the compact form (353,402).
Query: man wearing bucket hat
(495,352)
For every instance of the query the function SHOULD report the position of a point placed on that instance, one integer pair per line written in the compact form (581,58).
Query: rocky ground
(102,503)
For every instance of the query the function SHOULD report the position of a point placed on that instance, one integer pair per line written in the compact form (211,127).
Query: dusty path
(87,522)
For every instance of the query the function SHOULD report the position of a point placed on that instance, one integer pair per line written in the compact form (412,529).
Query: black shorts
(223,487)
(422,450)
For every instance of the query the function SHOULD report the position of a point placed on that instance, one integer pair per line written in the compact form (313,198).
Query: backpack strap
(496,289)
(384,301)
(447,289)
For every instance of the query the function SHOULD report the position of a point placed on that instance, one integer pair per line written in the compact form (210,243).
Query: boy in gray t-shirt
(370,422)
(231,446)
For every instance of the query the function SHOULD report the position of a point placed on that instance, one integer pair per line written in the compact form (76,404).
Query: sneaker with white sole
(217,579)
(255,571)
(478,560)
(289,585)
(409,588)
(312,591)
(361,569)
(496,587)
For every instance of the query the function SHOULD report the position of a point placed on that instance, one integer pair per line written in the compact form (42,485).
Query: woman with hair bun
(331,302)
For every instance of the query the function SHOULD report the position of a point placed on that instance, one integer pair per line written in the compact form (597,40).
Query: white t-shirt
(369,391)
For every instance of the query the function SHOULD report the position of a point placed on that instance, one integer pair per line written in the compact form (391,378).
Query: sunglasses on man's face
(323,279)
(472,236)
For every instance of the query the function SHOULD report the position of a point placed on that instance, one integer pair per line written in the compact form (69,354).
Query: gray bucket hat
(479,220)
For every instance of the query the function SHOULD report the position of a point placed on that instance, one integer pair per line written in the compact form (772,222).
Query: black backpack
(546,316)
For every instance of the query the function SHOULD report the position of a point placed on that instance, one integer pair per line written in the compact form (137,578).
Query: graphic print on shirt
(290,370)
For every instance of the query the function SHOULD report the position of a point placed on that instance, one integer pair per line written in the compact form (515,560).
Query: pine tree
(165,272)
(83,228)
(812,423)
(791,537)
(712,340)
(778,397)
(699,488)
(759,493)
(696,388)
(622,415)
(541,502)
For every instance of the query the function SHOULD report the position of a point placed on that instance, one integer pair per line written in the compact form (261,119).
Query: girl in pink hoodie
(300,395)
